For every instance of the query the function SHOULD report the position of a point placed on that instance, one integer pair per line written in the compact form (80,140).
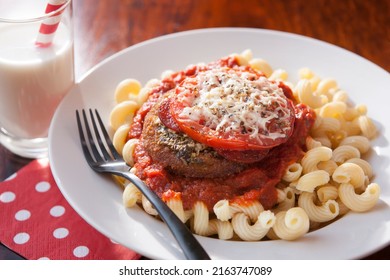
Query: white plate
(99,201)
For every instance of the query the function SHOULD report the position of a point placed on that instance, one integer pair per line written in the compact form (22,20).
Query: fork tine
(84,145)
(103,149)
(91,141)
(113,151)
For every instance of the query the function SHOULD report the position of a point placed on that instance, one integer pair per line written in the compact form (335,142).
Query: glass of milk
(36,70)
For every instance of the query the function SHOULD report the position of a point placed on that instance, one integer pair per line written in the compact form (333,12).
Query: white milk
(32,80)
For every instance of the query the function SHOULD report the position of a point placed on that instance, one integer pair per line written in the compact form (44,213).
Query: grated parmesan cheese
(233,102)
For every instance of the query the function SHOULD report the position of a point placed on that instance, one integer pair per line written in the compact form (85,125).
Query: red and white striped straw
(49,26)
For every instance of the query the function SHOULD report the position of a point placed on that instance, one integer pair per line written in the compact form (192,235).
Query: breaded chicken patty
(182,155)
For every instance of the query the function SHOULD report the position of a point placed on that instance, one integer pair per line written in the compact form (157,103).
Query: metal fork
(103,157)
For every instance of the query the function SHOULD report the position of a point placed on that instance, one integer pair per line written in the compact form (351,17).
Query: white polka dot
(7,197)
(43,162)
(57,211)
(22,215)
(21,238)
(13,176)
(43,258)
(80,251)
(60,233)
(42,186)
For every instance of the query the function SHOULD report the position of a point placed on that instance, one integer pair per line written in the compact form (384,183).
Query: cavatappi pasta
(330,179)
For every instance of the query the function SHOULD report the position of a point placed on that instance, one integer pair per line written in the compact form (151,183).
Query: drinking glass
(36,70)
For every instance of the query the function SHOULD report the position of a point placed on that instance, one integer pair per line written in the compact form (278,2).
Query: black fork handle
(187,241)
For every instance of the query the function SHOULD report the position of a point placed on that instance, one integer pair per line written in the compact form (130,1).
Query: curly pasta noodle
(291,224)
(364,165)
(176,205)
(123,113)
(344,153)
(224,210)
(359,202)
(253,232)
(120,137)
(304,92)
(367,127)
(288,201)
(360,142)
(127,89)
(203,226)
(318,213)
(313,157)
(293,172)
(128,150)
(327,192)
(311,180)
(131,195)
(349,173)
(329,166)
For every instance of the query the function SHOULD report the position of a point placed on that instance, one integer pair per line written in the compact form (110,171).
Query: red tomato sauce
(257,182)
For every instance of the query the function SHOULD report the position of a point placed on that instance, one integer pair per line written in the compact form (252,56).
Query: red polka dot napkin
(37,222)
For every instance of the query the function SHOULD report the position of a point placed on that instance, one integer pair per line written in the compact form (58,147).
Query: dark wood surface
(105,27)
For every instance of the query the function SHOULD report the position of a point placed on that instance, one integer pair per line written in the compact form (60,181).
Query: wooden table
(105,27)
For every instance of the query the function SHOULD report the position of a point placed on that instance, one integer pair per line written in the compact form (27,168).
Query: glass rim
(36,18)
